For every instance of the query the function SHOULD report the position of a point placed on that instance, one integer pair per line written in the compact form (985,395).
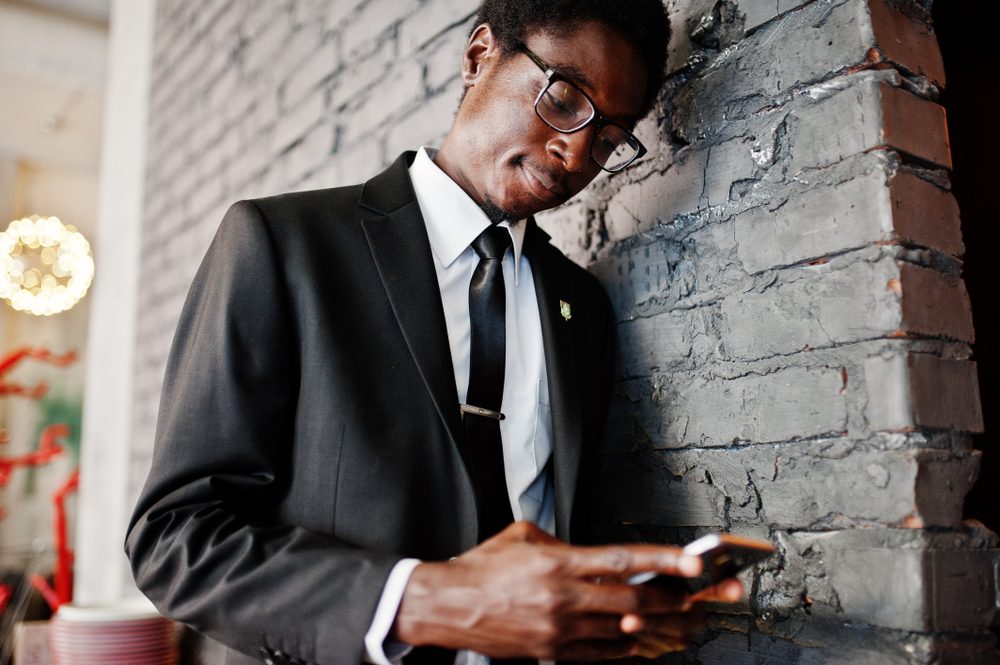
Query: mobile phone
(722,556)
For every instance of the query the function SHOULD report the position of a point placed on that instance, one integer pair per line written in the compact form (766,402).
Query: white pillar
(103,509)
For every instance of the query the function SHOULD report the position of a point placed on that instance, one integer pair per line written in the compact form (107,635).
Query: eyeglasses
(567,109)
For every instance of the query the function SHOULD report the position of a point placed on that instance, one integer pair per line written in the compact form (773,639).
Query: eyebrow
(574,73)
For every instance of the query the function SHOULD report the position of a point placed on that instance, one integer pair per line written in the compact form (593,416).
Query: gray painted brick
(685,16)
(758,12)
(806,47)
(661,273)
(813,307)
(299,120)
(637,207)
(378,104)
(680,410)
(443,58)
(894,579)
(433,17)
(426,125)
(262,49)
(809,485)
(823,220)
(846,123)
(258,17)
(657,343)
(728,163)
(309,154)
(307,76)
(374,18)
(338,12)
(363,73)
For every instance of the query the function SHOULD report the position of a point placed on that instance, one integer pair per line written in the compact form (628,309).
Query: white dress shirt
(453,221)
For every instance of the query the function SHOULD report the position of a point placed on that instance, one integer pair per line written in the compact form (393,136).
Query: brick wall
(786,269)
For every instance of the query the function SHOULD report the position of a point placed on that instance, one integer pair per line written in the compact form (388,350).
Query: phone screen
(722,556)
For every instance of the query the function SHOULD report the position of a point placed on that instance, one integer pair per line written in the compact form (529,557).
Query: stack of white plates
(131,633)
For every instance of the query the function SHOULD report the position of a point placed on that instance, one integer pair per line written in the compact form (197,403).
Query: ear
(481,48)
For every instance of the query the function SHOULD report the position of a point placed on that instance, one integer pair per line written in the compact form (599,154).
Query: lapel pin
(565,310)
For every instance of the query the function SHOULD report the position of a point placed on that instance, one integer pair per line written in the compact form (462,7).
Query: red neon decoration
(64,555)
(48,449)
(11,360)
(6,593)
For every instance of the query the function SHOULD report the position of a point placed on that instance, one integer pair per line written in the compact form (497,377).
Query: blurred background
(53,69)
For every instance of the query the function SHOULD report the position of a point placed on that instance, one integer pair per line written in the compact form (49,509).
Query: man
(369,382)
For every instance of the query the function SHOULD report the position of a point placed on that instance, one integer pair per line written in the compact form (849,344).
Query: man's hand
(524,593)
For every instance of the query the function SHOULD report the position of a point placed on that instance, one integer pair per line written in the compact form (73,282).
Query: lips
(541,184)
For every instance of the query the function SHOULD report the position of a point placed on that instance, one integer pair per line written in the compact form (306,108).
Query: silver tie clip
(480,411)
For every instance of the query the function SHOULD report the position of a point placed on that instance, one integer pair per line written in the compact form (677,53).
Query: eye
(558,102)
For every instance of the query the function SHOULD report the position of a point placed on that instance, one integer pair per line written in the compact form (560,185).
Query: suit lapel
(398,242)
(554,285)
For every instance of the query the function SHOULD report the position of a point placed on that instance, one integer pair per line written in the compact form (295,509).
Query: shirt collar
(453,219)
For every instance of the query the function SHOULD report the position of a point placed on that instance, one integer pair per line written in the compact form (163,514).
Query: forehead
(600,60)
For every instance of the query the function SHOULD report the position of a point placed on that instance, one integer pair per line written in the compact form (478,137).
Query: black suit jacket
(308,434)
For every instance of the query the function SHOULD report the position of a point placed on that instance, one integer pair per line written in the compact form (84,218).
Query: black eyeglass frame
(601,121)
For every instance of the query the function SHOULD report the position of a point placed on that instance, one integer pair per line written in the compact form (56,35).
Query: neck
(448,159)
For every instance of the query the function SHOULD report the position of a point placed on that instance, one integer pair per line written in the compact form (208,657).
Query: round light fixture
(45,266)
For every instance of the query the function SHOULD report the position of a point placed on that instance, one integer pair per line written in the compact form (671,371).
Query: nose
(573,150)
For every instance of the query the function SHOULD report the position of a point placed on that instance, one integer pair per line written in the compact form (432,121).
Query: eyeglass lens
(566,109)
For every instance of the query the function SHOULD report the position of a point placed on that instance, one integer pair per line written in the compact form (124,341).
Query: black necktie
(487,311)
(488,314)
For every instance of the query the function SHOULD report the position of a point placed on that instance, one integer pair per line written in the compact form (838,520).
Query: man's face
(501,152)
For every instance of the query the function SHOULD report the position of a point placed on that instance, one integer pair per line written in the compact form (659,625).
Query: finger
(677,626)
(622,561)
(726,591)
(626,599)
(593,627)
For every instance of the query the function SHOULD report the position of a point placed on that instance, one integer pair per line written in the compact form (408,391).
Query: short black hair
(643,23)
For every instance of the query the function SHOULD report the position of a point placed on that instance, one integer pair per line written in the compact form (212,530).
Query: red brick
(907,43)
(944,394)
(942,482)
(925,214)
(934,304)
(915,126)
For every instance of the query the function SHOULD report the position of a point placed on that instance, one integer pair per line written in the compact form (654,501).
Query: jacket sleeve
(206,543)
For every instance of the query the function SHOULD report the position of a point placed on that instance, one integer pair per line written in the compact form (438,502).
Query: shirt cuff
(378,649)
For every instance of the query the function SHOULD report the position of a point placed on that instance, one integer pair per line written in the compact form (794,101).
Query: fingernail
(689,565)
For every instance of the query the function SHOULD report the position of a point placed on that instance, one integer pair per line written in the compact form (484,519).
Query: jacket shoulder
(338,201)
